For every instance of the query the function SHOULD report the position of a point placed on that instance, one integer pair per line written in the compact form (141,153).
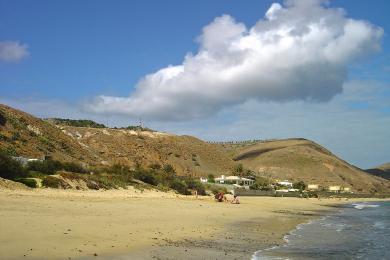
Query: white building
(234,180)
(312,187)
(203,180)
(285,183)
(346,189)
(334,188)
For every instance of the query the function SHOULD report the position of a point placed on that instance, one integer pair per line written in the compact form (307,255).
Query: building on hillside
(235,180)
(24,160)
(346,189)
(313,187)
(334,188)
(203,180)
(285,183)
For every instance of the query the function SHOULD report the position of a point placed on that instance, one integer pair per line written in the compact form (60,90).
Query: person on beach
(220,197)
(235,200)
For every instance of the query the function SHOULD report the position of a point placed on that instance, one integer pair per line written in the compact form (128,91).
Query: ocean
(357,231)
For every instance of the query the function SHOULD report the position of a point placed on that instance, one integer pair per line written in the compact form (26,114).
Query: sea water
(358,231)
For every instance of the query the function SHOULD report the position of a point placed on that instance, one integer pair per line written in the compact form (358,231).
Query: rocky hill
(381,171)
(22,134)
(300,159)
(187,154)
(294,159)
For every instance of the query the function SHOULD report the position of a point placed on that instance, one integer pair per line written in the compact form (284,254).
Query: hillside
(300,159)
(25,135)
(382,171)
(187,154)
(294,159)
(22,134)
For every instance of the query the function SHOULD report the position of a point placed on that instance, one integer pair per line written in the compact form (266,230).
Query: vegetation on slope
(115,176)
(75,122)
(24,135)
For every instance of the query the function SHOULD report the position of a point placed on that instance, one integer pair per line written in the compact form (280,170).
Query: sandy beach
(128,224)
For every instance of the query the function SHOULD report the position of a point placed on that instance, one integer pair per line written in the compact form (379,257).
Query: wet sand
(125,224)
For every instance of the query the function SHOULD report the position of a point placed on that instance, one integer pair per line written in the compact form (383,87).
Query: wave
(364,205)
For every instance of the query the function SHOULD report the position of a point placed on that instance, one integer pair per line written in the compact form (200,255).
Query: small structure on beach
(334,188)
(235,180)
(285,184)
(313,187)
(346,189)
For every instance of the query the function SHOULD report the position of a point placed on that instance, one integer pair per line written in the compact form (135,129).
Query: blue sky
(69,53)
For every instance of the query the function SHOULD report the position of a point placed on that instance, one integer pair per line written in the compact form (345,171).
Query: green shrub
(73,167)
(46,167)
(35,174)
(28,182)
(3,119)
(180,186)
(118,169)
(146,176)
(53,182)
(299,185)
(195,185)
(216,189)
(76,122)
(51,166)
(10,168)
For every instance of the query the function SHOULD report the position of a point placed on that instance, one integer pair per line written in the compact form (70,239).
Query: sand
(126,224)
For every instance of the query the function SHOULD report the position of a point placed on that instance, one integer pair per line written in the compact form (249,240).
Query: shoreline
(278,251)
(123,224)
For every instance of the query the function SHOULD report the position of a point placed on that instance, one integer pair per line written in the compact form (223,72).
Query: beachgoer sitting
(216,196)
(235,200)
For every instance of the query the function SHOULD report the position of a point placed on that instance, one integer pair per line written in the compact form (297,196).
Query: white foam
(364,205)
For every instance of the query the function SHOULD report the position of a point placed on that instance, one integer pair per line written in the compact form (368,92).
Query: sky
(218,70)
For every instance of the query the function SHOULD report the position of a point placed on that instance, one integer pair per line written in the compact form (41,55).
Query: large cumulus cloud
(298,51)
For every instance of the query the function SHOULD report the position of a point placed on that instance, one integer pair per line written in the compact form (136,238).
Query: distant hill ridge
(92,144)
(382,171)
(90,123)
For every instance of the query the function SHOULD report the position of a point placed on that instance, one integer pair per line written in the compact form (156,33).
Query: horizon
(215,70)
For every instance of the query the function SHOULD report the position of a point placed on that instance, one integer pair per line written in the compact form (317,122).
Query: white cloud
(299,51)
(13,51)
(359,135)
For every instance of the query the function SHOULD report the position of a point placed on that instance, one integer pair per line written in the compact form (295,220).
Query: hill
(22,134)
(301,159)
(381,171)
(188,155)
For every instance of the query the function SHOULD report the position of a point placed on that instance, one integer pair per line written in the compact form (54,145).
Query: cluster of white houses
(284,186)
(232,180)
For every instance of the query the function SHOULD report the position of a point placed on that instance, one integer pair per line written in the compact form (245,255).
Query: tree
(10,168)
(299,185)
(238,169)
(210,178)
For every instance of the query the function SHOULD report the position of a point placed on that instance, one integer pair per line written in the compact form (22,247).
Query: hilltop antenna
(140,122)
